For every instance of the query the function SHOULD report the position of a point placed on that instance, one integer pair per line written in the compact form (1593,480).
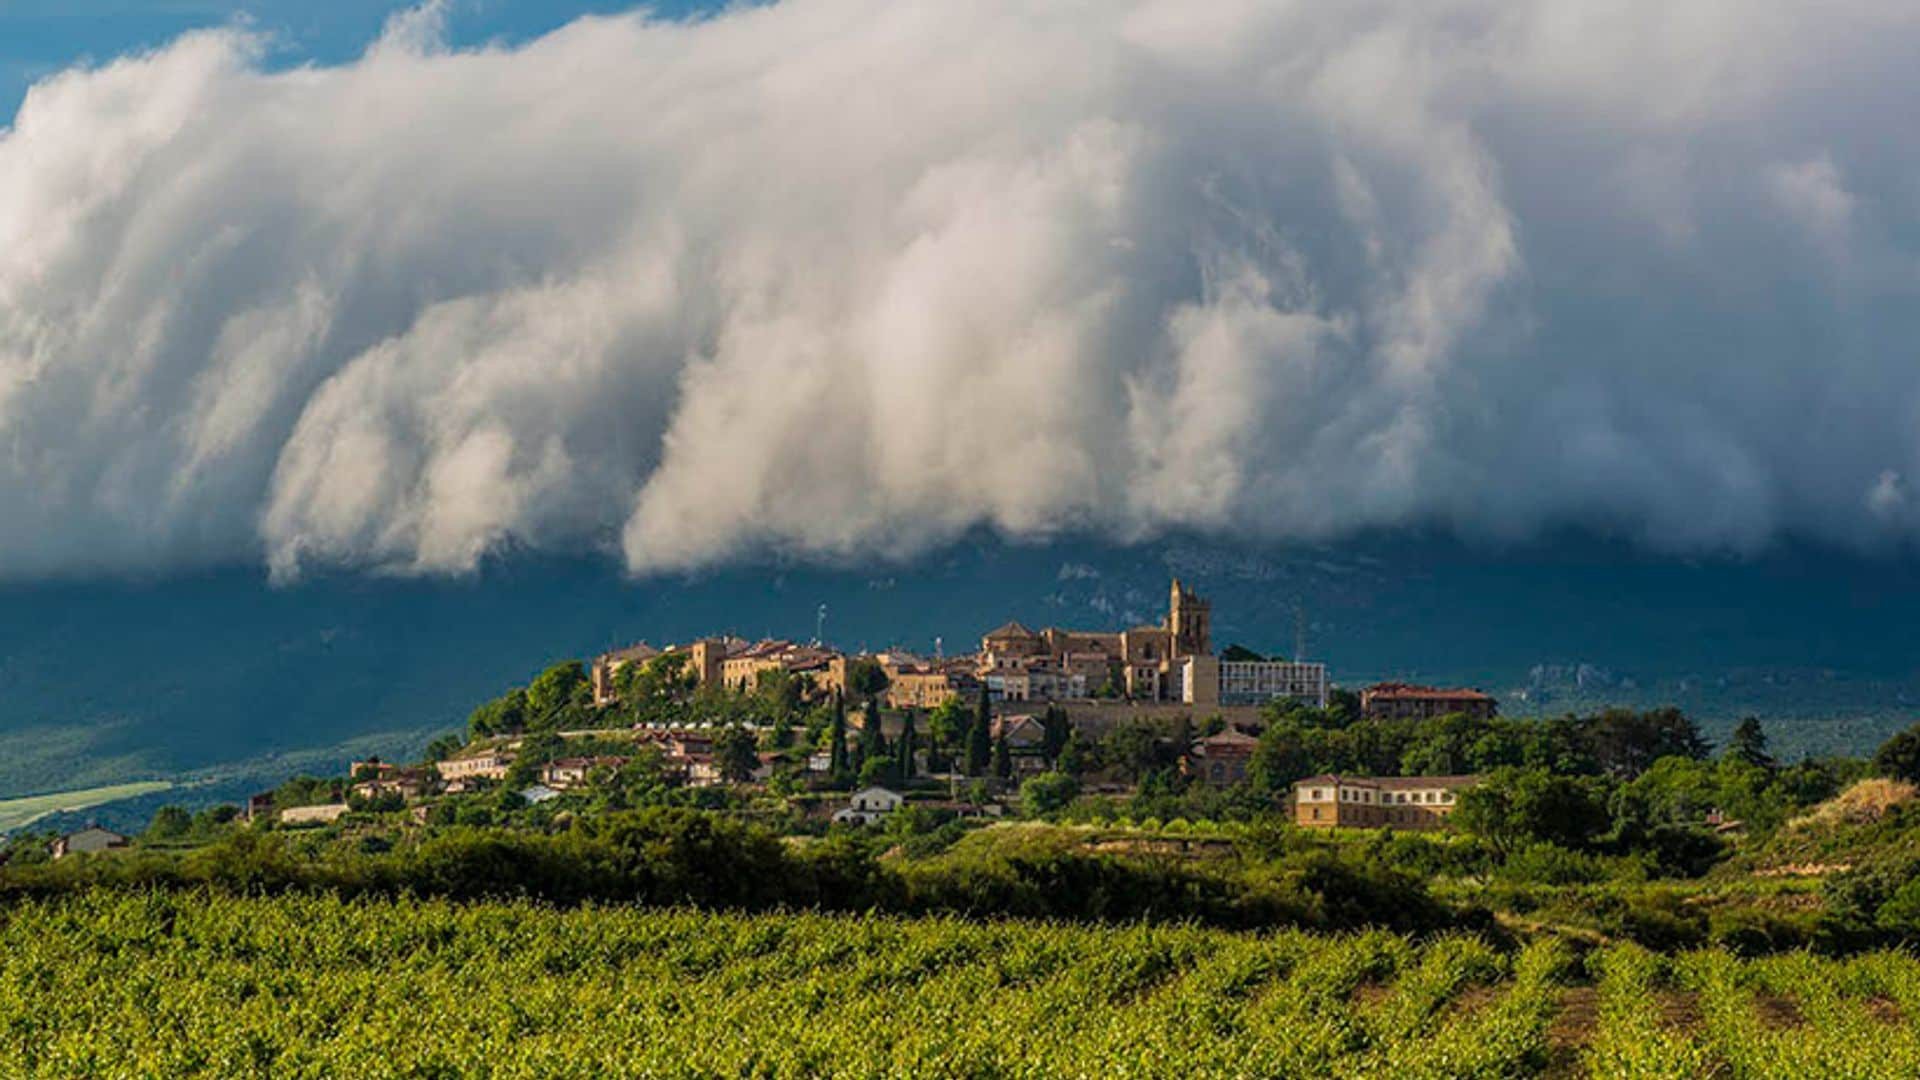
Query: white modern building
(869,805)
(1255,682)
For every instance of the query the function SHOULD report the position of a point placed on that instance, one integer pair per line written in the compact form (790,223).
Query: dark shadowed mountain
(225,679)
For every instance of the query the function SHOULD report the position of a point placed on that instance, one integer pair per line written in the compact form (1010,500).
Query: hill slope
(221,676)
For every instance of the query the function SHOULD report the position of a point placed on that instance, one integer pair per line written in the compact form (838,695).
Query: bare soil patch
(1572,1029)
(1779,1012)
(1885,1010)
(1680,1010)
(1371,994)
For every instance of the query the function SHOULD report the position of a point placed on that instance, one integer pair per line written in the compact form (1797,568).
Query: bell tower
(1190,621)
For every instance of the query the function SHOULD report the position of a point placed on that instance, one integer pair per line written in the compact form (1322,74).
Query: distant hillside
(220,678)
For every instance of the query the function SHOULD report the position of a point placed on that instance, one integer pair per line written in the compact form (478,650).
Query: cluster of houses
(1172,661)
(1415,803)
(1095,677)
(1149,668)
(1319,802)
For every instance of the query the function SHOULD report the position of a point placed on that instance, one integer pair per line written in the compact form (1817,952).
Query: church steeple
(1189,619)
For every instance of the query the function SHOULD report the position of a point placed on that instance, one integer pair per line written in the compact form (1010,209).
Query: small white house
(869,805)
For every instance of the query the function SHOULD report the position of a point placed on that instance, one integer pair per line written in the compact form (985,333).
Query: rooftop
(1391,783)
(1409,690)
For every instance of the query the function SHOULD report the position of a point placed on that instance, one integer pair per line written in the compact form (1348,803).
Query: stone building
(1145,658)
(1392,802)
(1222,760)
(91,839)
(607,665)
(825,669)
(1173,661)
(1404,701)
(485,764)
(706,659)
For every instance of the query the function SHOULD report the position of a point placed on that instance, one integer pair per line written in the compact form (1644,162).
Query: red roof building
(1405,701)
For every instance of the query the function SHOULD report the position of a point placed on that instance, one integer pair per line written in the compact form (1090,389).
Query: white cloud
(1888,495)
(1812,192)
(838,277)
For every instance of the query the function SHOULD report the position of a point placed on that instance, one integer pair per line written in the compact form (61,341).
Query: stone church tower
(1190,620)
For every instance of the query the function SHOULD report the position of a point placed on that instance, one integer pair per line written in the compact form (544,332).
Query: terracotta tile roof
(1390,783)
(1393,691)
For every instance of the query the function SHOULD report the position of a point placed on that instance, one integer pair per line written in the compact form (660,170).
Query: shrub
(1548,864)
(1047,793)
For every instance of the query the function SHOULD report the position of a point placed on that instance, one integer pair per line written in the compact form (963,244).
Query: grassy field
(15,813)
(187,984)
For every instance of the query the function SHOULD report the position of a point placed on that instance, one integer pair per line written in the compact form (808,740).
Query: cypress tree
(1002,759)
(980,738)
(1749,744)
(1056,727)
(903,748)
(838,748)
(873,740)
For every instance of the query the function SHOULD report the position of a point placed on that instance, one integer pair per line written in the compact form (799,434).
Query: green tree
(868,679)
(1056,727)
(879,769)
(1513,807)
(1281,757)
(558,695)
(735,754)
(1073,756)
(1002,759)
(873,737)
(1899,757)
(443,747)
(779,694)
(1900,914)
(536,750)
(169,823)
(1046,793)
(840,768)
(1627,743)
(1343,706)
(504,715)
(657,690)
(1749,744)
(1134,747)
(906,745)
(947,729)
(980,737)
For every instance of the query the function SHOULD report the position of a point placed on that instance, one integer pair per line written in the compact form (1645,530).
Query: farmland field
(191,984)
(18,813)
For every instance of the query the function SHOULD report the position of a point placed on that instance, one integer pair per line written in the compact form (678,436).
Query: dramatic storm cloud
(836,277)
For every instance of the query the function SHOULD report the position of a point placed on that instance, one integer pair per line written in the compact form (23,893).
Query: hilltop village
(1076,710)
(1062,773)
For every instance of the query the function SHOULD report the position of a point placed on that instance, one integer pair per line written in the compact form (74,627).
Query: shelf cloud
(832,278)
